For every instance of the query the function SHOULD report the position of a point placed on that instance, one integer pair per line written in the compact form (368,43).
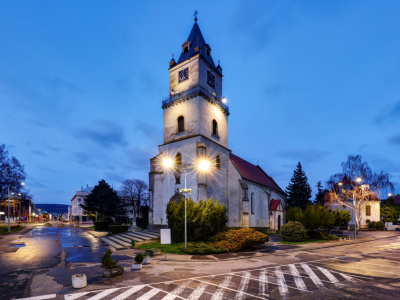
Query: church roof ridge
(196,39)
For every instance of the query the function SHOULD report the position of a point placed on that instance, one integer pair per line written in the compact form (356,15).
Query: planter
(145,259)
(113,272)
(79,281)
(136,266)
(153,251)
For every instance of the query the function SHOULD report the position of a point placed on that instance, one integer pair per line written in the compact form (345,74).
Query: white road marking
(330,276)
(365,269)
(297,279)
(179,289)
(149,294)
(222,287)
(129,292)
(103,294)
(40,297)
(283,290)
(313,276)
(263,288)
(243,285)
(196,294)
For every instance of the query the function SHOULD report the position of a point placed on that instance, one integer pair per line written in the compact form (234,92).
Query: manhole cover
(16,245)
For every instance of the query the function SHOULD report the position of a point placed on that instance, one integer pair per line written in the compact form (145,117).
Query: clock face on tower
(183,74)
(211,79)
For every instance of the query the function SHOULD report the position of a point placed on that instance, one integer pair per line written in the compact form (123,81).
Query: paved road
(369,270)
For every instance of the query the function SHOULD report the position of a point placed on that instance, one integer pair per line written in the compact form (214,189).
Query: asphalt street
(368,269)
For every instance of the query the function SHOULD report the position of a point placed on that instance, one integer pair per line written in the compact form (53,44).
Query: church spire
(195,44)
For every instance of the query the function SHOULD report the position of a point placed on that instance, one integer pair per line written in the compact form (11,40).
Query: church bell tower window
(218,162)
(214,128)
(181,124)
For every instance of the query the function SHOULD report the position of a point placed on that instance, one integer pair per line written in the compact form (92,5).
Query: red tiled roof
(254,173)
(396,199)
(275,204)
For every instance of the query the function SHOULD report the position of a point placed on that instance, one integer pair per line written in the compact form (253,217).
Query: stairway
(123,240)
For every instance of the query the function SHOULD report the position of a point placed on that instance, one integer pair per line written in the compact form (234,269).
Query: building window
(215,127)
(79,200)
(186,49)
(218,163)
(367,221)
(368,210)
(178,163)
(252,203)
(181,124)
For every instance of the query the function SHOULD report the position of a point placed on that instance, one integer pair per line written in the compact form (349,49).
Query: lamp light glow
(168,163)
(359,179)
(224,100)
(390,195)
(340,183)
(204,165)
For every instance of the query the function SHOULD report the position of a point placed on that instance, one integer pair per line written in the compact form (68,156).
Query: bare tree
(11,173)
(135,193)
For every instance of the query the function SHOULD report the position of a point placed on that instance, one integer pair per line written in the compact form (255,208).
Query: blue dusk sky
(81,84)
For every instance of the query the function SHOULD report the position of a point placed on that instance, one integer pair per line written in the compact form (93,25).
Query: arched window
(218,162)
(368,210)
(252,203)
(178,163)
(214,127)
(181,124)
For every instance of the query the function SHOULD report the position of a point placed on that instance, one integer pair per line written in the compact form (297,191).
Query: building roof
(275,204)
(197,40)
(254,173)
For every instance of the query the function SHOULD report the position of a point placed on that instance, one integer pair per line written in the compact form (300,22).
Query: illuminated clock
(183,74)
(211,79)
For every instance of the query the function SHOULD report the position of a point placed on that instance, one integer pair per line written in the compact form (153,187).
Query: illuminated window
(218,163)
(252,203)
(368,210)
(214,127)
(181,124)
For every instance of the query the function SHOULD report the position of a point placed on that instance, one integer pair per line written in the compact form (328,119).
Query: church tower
(195,127)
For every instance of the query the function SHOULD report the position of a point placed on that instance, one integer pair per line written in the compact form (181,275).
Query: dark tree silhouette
(298,190)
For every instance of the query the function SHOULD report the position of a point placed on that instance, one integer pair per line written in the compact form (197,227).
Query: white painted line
(149,294)
(283,290)
(218,295)
(103,294)
(243,286)
(362,269)
(297,279)
(40,297)
(196,294)
(313,276)
(358,277)
(330,276)
(179,289)
(75,296)
(129,292)
(263,287)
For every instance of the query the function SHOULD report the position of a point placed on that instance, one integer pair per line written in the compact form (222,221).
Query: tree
(105,202)
(390,211)
(135,193)
(319,197)
(11,173)
(354,167)
(298,190)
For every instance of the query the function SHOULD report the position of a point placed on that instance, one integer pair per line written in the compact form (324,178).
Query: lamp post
(358,180)
(203,165)
(8,190)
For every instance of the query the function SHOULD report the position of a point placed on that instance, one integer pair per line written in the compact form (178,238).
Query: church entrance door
(279,222)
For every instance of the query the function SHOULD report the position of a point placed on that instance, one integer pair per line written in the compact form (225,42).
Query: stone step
(135,237)
(119,241)
(129,237)
(147,235)
(111,243)
(124,238)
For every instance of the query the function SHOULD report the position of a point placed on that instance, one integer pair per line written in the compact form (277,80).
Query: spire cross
(195,15)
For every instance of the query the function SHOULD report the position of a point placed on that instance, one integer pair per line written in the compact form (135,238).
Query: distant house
(77,214)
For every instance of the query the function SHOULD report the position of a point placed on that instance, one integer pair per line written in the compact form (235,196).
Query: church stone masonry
(196,127)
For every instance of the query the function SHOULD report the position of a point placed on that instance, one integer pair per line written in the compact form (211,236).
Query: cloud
(38,152)
(395,140)
(104,133)
(139,158)
(304,155)
(391,114)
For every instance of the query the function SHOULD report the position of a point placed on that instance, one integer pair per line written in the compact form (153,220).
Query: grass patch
(91,227)
(172,248)
(304,242)
(13,228)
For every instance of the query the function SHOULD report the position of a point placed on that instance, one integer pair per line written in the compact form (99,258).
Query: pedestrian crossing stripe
(281,281)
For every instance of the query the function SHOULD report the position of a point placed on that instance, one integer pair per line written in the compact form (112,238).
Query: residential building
(77,214)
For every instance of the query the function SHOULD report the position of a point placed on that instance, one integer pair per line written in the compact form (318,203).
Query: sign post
(165,239)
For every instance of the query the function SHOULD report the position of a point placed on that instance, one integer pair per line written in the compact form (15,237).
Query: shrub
(318,235)
(107,262)
(201,248)
(295,213)
(117,228)
(240,239)
(293,232)
(341,217)
(204,219)
(101,225)
(139,258)
(377,225)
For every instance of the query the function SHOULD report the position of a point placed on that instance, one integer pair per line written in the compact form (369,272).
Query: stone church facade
(196,130)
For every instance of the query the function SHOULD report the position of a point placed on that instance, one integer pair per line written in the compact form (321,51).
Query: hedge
(117,228)
(101,225)
(201,248)
(293,232)
(377,225)
(241,239)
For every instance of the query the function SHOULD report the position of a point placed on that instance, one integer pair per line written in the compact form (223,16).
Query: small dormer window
(186,49)
(208,52)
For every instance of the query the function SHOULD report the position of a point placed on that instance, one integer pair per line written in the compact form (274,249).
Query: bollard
(79,281)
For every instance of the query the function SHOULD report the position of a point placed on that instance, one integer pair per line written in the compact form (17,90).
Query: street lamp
(358,180)
(8,189)
(203,165)
(390,195)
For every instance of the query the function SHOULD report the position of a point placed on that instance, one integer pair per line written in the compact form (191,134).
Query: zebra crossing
(273,282)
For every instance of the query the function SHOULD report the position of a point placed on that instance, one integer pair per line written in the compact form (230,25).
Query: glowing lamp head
(390,195)
(359,179)
(204,165)
(340,183)
(168,163)
(224,100)
(22,183)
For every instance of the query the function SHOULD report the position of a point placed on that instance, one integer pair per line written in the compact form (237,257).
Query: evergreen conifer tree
(319,197)
(298,190)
